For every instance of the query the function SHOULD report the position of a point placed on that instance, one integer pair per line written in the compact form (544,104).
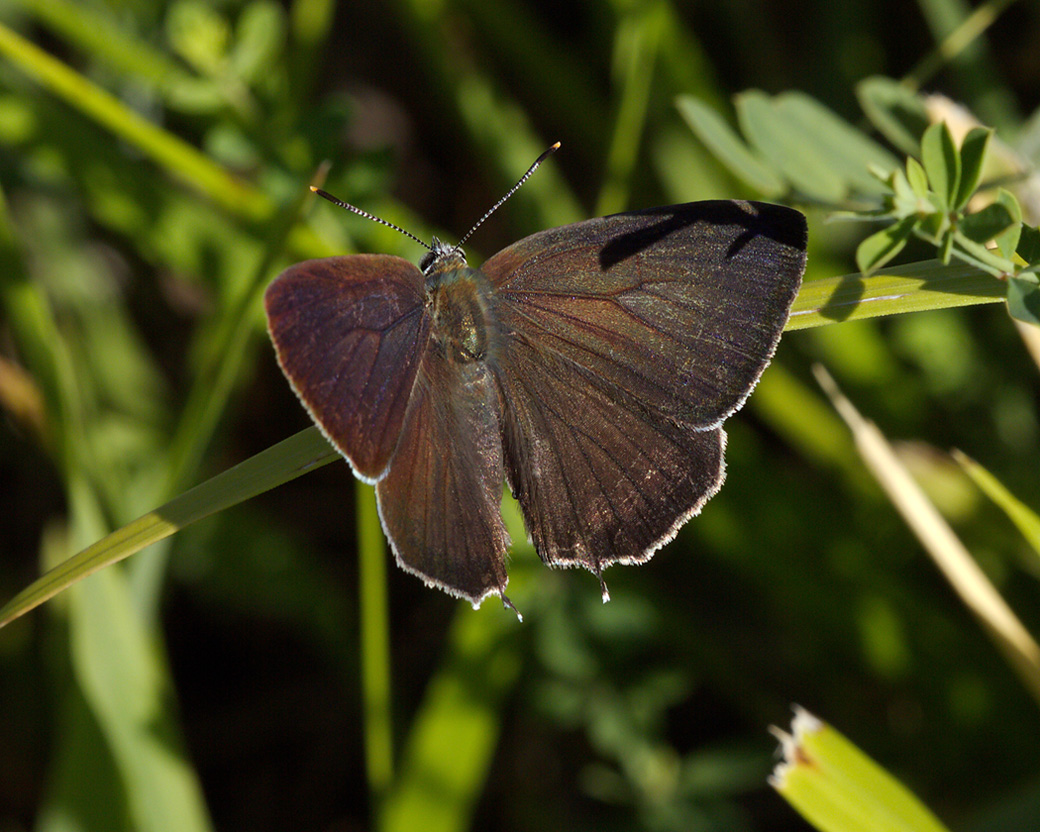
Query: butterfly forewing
(680,307)
(440,500)
(349,333)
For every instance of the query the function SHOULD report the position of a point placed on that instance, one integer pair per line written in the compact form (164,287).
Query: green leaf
(838,788)
(845,150)
(728,147)
(881,247)
(1029,245)
(1007,241)
(987,224)
(904,200)
(917,178)
(895,110)
(942,163)
(972,157)
(260,37)
(199,34)
(1023,298)
(784,144)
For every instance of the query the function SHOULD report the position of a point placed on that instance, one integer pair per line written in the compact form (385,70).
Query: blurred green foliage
(153,161)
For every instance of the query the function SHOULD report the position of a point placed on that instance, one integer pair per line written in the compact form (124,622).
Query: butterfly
(589,366)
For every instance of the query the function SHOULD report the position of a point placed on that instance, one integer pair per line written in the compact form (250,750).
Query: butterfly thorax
(458,299)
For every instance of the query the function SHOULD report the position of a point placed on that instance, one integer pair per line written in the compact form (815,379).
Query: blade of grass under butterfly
(288,459)
(909,288)
(915,287)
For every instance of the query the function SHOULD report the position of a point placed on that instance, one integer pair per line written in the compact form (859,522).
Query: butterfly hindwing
(599,479)
(440,502)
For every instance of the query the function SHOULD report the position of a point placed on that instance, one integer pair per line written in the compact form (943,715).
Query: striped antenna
(438,248)
(366,215)
(511,191)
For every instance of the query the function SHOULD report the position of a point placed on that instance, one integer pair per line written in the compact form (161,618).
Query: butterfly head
(442,258)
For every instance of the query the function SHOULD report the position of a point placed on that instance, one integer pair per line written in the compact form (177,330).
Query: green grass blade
(949,554)
(912,288)
(101,36)
(1025,519)
(126,683)
(177,156)
(374,606)
(287,460)
(448,753)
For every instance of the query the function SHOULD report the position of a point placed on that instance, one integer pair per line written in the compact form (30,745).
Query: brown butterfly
(590,366)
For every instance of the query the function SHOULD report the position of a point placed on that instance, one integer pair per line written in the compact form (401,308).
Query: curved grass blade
(285,461)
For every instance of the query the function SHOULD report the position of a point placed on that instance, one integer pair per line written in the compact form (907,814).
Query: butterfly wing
(600,480)
(626,341)
(440,502)
(680,306)
(349,333)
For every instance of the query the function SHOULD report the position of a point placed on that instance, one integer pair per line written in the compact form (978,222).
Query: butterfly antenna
(512,191)
(373,217)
